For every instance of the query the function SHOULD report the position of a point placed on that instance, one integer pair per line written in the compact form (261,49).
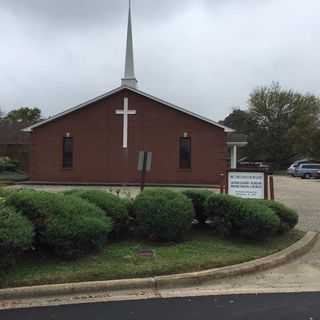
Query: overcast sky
(204,55)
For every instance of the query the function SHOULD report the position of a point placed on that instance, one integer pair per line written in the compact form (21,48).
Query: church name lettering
(246,185)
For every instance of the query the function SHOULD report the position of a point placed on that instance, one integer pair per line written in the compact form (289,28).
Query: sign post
(144,166)
(271,188)
(247,184)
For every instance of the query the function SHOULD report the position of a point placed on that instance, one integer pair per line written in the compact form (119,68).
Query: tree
(238,120)
(282,125)
(287,123)
(28,115)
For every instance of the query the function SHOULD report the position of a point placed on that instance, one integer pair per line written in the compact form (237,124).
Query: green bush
(80,228)
(16,235)
(5,192)
(113,206)
(129,205)
(288,217)
(163,215)
(198,198)
(7,164)
(240,217)
(221,210)
(38,207)
(255,221)
(70,226)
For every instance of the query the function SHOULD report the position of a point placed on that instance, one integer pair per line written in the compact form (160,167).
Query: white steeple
(129,76)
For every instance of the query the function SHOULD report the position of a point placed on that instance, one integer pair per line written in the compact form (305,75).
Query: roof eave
(237,143)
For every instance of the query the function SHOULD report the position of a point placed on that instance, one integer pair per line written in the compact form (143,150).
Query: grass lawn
(9,176)
(201,250)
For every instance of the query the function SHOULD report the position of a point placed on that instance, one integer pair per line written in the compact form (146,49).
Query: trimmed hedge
(38,207)
(256,221)
(5,192)
(163,215)
(16,235)
(198,198)
(7,164)
(70,226)
(79,229)
(240,217)
(113,206)
(288,217)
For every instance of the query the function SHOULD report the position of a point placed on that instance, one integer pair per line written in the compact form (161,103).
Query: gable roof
(85,104)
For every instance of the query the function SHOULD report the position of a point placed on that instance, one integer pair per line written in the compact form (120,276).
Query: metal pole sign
(144,166)
(247,184)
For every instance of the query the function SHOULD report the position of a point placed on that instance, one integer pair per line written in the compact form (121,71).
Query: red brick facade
(100,158)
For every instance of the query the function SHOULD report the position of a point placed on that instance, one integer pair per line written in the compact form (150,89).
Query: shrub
(7,164)
(79,229)
(129,205)
(255,221)
(234,216)
(163,215)
(38,207)
(16,234)
(221,209)
(198,198)
(5,192)
(288,217)
(70,226)
(113,206)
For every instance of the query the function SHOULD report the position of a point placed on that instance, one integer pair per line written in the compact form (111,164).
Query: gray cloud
(204,55)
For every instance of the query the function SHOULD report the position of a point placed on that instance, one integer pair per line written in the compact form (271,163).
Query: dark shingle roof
(237,137)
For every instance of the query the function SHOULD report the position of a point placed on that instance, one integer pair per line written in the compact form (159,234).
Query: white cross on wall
(125,112)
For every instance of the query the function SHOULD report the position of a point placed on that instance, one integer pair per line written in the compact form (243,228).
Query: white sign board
(248,185)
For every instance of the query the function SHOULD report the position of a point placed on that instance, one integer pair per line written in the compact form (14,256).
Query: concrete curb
(163,282)
(196,278)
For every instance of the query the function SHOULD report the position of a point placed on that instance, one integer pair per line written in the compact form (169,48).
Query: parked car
(292,169)
(308,170)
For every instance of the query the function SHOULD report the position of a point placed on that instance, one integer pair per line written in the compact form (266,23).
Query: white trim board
(239,144)
(85,104)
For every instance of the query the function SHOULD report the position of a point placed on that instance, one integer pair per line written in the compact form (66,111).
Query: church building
(99,141)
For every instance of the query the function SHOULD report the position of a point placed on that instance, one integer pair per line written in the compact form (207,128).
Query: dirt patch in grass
(201,250)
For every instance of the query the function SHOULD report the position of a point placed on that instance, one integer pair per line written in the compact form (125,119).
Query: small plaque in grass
(148,253)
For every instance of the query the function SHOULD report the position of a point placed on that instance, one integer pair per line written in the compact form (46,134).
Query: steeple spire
(129,76)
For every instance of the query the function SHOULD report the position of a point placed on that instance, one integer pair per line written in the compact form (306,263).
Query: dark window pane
(185,153)
(67,152)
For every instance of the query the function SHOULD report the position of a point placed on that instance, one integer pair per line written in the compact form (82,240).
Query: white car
(291,170)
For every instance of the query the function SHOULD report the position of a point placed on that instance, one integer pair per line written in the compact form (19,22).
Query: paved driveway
(302,274)
(303,195)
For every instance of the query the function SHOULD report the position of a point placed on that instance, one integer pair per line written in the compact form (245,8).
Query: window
(67,161)
(185,153)
(310,166)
